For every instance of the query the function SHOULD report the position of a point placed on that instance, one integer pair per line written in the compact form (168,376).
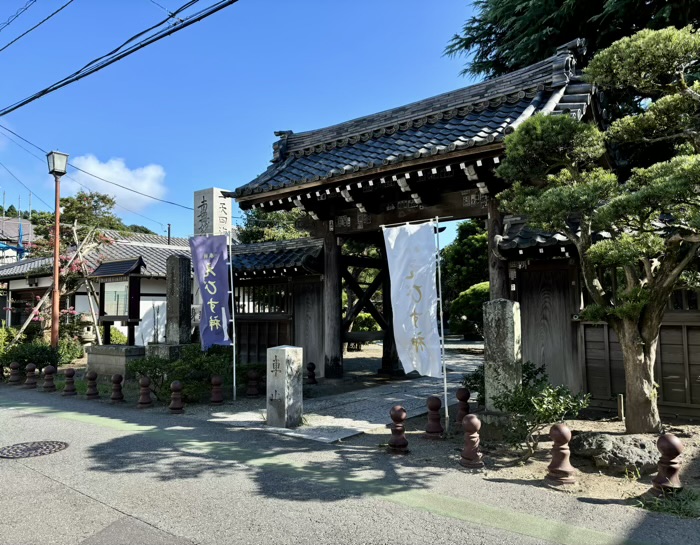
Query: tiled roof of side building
(470,117)
(302,252)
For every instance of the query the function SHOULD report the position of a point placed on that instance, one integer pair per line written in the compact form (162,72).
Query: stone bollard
(434,429)
(252,384)
(117,395)
(217,392)
(560,471)
(398,444)
(667,481)
(30,383)
(15,375)
(69,388)
(463,395)
(145,400)
(92,392)
(471,454)
(176,405)
(311,373)
(49,374)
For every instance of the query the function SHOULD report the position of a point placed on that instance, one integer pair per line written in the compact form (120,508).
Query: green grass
(685,503)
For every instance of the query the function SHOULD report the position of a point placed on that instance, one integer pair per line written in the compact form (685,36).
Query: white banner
(412,255)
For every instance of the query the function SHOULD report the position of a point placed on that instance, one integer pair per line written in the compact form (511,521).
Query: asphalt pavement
(150,478)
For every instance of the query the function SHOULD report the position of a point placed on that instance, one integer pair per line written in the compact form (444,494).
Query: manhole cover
(29,450)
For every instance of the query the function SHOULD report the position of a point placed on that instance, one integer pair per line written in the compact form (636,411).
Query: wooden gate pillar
(332,308)
(498,268)
(391,365)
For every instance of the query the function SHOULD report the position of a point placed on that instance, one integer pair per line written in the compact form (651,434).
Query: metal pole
(233,311)
(168,234)
(442,325)
(55,309)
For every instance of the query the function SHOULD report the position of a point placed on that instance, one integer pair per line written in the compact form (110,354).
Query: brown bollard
(398,444)
(471,453)
(30,383)
(667,481)
(434,429)
(176,405)
(145,400)
(117,395)
(69,388)
(92,392)
(311,373)
(252,384)
(463,395)
(560,472)
(49,375)
(15,376)
(217,392)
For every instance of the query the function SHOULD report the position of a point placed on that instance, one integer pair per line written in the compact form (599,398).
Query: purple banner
(209,259)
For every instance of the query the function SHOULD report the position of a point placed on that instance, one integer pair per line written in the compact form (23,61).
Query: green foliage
(464,261)
(261,226)
(41,354)
(505,35)
(365,322)
(467,311)
(139,229)
(683,503)
(475,382)
(194,370)
(535,404)
(646,208)
(116,336)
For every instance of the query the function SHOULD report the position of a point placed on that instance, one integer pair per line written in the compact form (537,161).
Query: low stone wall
(111,359)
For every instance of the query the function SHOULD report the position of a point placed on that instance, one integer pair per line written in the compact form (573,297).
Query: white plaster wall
(153,314)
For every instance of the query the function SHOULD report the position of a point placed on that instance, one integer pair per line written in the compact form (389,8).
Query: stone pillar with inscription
(284,386)
(502,348)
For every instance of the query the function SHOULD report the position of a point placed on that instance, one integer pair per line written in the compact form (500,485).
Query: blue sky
(199,108)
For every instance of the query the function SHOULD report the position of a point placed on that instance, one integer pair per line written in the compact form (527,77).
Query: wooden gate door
(549,335)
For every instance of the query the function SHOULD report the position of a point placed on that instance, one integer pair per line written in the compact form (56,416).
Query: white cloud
(149,179)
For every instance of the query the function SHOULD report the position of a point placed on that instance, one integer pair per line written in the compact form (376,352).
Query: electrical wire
(96,176)
(19,12)
(42,160)
(25,185)
(116,55)
(35,26)
(166,10)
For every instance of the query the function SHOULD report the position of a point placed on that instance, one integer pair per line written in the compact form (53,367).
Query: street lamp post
(58,163)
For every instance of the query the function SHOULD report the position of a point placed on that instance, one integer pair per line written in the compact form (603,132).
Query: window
(116,298)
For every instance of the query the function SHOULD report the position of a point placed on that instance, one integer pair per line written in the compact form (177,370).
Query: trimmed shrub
(467,311)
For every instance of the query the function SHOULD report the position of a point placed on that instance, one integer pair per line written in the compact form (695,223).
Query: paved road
(148,478)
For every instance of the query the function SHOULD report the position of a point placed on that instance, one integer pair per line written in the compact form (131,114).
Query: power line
(42,160)
(98,177)
(35,26)
(19,12)
(166,10)
(25,185)
(116,55)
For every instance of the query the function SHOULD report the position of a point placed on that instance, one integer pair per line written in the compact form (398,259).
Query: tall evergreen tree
(505,35)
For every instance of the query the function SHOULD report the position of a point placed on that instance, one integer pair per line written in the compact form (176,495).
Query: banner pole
(442,325)
(233,311)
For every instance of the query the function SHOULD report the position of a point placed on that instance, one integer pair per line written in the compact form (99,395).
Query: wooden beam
(361,261)
(426,164)
(332,307)
(364,301)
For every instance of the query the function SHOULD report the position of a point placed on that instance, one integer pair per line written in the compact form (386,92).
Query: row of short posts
(560,472)
(176,402)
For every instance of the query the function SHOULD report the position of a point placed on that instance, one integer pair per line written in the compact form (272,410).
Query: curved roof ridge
(537,75)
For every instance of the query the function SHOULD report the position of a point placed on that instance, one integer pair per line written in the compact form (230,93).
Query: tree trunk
(642,412)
